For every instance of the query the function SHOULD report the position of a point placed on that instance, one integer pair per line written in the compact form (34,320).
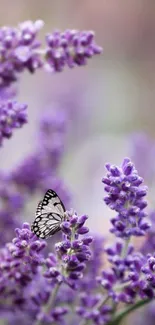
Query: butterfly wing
(38,210)
(49,215)
(52,203)
(46,225)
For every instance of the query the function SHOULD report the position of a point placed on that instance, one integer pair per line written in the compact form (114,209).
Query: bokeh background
(110,99)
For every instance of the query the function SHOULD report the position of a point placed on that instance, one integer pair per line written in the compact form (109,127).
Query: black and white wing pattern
(50,213)
(39,207)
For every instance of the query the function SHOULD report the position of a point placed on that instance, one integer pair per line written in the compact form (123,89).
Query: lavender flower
(29,173)
(19,50)
(91,311)
(22,265)
(12,115)
(70,48)
(20,262)
(52,135)
(72,252)
(148,269)
(94,265)
(126,197)
(123,281)
(7,93)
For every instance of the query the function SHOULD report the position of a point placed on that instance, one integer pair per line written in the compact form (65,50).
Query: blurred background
(110,100)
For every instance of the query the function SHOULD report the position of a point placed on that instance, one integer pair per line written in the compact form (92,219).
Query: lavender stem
(51,301)
(120,316)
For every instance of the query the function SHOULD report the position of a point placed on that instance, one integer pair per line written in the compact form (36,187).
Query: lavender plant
(73,284)
(79,279)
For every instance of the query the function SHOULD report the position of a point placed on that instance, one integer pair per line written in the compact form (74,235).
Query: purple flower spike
(126,196)
(20,262)
(72,253)
(69,48)
(20,49)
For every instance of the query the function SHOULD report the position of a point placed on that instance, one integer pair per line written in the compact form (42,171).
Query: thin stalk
(50,303)
(102,302)
(123,255)
(125,247)
(85,322)
(120,316)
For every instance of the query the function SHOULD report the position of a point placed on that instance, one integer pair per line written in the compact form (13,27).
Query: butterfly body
(50,213)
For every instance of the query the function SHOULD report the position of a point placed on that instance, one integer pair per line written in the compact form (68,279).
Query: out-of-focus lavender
(20,50)
(12,116)
(70,48)
(143,154)
(37,172)
(41,167)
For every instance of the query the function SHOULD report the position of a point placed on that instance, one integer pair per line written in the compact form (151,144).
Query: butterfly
(50,213)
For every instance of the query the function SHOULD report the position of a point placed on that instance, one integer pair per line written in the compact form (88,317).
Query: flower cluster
(69,48)
(23,263)
(12,116)
(130,276)
(125,280)
(126,196)
(93,310)
(72,252)
(18,50)
(19,264)
(94,265)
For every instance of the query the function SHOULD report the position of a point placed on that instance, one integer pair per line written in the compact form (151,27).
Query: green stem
(120,316)
(102,303)
(86,322)
(50,304)
(125,247)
